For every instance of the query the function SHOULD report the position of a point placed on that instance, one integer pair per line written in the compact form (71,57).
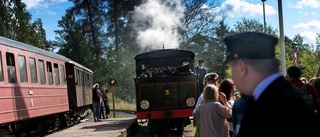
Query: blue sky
(299,16)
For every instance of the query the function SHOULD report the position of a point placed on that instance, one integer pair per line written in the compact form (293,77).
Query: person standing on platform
(96,96)
(106,103)
(227,87)
(201,71)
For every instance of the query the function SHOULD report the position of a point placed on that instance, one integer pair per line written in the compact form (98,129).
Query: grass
(122,105)
(118,105)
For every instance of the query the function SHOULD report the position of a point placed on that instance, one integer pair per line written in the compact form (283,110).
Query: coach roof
(36,50)
(26,47)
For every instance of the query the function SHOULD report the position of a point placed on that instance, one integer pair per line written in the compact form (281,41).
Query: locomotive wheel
(14,129)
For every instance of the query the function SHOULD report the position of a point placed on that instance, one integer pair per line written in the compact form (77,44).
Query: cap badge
(235,55)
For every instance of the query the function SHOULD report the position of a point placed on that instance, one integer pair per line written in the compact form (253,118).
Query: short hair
(201,61)
(265,66)
(210,93)
(294,72)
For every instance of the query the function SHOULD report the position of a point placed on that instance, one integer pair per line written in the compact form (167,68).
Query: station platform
(113,127)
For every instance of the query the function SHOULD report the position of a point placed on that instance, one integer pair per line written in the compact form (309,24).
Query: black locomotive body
(166,88)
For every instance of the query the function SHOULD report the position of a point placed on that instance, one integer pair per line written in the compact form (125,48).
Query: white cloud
(41,3)
(309,13)
(304,3)
(33,3)
(309,37)
(235,8)
(314,24)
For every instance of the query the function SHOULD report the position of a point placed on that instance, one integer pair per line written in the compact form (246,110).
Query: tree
(219,49)
(309,56)
(200,22)
(117,19)
(82,32)
(72,41)
(39,37)
(121,48)
(89,29)
(252,25)
(15,23)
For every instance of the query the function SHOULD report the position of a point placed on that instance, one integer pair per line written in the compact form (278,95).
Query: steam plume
(157,24)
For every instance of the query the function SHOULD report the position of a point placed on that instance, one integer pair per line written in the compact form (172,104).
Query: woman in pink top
(213,114)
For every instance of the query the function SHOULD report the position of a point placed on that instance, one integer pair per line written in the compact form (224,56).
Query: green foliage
(15,23)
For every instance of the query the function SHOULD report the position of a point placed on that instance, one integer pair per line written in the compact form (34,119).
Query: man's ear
(243,68)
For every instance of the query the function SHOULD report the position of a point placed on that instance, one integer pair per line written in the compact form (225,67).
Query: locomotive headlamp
(144,104)
(190,101)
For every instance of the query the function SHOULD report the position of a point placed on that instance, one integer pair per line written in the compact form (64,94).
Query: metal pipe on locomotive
(166,88)
(40,90)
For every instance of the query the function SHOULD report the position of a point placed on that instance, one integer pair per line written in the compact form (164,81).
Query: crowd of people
(267,104)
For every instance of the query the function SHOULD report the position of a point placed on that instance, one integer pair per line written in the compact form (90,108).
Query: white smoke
(157,24)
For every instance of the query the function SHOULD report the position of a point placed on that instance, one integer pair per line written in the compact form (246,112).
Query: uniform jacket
(201,72)
(280,111)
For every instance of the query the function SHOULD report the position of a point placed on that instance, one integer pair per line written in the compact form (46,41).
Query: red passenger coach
(166,88)
(40,89)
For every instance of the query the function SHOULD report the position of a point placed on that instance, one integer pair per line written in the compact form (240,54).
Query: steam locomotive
(166,88)
(40,90)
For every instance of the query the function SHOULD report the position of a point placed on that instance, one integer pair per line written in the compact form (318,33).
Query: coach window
(22,69)
(63,78)
(76,76)
(49,73)
(81,78)
(33,72)
(87,80)
(11,67)
(56,74)
(1,73)
(42,72)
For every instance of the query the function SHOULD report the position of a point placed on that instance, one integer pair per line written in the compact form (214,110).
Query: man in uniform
(275,108)
(201,71)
